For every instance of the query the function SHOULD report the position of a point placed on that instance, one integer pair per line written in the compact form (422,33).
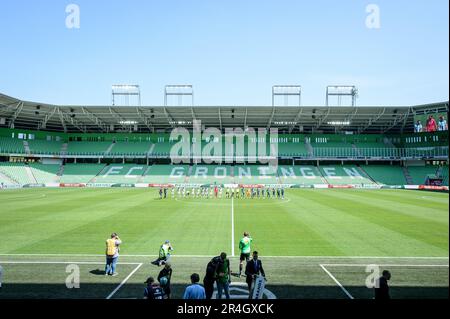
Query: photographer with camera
(112,254)
(164,254)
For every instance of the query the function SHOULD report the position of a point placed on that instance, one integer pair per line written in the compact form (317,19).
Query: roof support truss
(297,118)
(103,127)
(169,117)
(48,116)
(16,114)
(220,119)
(66,118)
(405,120)
(271,118)
(397,120)
(245,118)
(372,120)
(319,124)
(145,119)
(8,108)
(119,119)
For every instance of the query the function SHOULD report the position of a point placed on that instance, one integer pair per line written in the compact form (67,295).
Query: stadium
(82,171)
(332,194)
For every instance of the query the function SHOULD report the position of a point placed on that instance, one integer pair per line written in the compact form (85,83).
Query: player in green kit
(244,247)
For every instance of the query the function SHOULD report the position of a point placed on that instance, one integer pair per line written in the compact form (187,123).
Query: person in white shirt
(418,127)
(442,124)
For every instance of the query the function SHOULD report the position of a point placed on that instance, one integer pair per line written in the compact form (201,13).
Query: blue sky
(231,51)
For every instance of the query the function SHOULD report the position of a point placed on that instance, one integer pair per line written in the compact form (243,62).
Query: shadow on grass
(98,272)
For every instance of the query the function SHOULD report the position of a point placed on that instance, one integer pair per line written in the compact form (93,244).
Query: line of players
(220,192)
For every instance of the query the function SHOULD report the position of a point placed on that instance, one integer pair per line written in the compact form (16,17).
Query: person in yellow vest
(112,254)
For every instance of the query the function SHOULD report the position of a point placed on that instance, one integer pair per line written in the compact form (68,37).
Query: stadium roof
(15,113)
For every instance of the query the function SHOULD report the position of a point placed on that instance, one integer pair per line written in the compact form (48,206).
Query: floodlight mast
(287,91)
(341,91)
(180,91)
(126,91)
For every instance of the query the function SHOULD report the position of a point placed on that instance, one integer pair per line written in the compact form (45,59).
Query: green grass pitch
(313,244)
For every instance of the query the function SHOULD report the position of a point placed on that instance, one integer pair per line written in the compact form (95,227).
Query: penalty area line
(124,281)
(337,282)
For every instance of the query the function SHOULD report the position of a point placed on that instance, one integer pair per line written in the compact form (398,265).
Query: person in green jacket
(223,275)
(245,248)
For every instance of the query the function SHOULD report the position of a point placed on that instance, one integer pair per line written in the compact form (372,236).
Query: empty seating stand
(376,149)
(131,148)
(303,175)
(345,175)
(292,149)
(80,173)
(386,174)
(334,149)
(88,148)
(166,174)
(17,172)
(11,146)
(42,147)
(419,173)
(44,173)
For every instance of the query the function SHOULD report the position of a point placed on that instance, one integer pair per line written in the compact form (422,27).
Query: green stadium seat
(18,172)
(45,173)
(44,147)
(80,173)
(11,146)
(157,174)
(301,175)
(419,173)
(345,175)
(385,174)
(88,148)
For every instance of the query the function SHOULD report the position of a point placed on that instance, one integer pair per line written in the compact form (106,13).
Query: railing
(318,152)
(345,152)
(428,152)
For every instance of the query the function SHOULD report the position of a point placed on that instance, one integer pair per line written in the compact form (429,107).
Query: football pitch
(313,244)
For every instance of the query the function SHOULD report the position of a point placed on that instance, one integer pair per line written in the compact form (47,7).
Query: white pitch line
(232,226)
(61,262)
(208,256)
(385,265)
(124,281)
(337,282)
